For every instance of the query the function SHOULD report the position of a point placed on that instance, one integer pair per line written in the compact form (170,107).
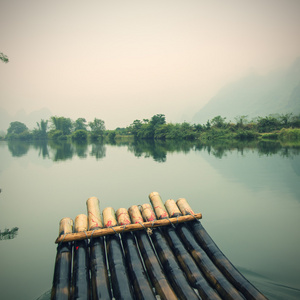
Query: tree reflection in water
(7,234)
(158,150)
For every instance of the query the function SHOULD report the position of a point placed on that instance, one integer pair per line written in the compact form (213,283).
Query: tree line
(156,128)
(58,128)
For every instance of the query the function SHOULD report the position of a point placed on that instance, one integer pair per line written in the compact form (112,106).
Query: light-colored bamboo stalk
(109,217)
(65,226)
(147,212)
(94,214)
(172,208)
(81,223)
(184,206)
(158,205)
(135,214)
(123,216)
(124,228)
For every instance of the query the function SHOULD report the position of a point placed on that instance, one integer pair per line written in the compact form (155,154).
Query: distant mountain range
(28,119)
(254,95)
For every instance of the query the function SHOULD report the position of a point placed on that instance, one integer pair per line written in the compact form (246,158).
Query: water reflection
(98,150)
(18,148)
(7,234)
(81,149)
(42,147)
(158,150)
(62,150)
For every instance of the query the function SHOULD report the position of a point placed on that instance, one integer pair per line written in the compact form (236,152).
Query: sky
(122,60)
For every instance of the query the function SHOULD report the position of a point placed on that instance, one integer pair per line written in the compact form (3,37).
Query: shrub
(246,135)
(289,134)
(80,135)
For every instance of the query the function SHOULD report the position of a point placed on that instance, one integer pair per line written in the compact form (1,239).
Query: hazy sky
(121,60)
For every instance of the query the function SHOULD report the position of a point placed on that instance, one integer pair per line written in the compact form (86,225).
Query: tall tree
(63,124)
(80,124)
(16,128)
(97,128)
(41,131)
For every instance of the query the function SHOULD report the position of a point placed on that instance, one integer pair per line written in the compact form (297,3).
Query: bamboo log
(174,273)
(220,260)
(158,205)
(99,275)
(217,279)
(138,276)
(124,228)
(119,276)
(153,267)
(81,276)
(184,207)
(172,208)
(94,214)
(109,218)
(62,269)
(188,265)
(210,271)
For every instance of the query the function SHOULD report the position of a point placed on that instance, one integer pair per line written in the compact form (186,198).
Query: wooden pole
(99,275)
(138,276)
(81,276)
(96,232)
(119,277)
(62,269)
(219,259)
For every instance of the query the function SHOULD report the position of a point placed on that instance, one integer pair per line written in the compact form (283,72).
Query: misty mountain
(255,95)
(28,119)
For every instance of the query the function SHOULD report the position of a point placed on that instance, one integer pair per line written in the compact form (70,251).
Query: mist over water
(248,194)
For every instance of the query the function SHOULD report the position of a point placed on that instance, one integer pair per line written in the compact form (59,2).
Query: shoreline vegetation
(284,128)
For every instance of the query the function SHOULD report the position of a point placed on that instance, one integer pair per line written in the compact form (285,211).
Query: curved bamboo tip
(135,214)
(123,216)
(148,213)
(172,208)
(153,194)
(81,223)
(158,206)
(184,207)
(109,217)
(65,226)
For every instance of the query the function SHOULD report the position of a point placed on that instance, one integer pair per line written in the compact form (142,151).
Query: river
(248,193)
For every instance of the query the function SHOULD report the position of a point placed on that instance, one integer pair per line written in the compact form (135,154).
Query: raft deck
(157,251)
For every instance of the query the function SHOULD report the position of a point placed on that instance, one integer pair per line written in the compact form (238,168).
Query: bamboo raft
(150,251)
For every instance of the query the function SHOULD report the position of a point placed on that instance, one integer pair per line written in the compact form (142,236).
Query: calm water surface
(249,195)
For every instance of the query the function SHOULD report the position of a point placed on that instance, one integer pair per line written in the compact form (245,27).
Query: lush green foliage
(80,124)
(40,133)
(18,130)
(97,129)
(80,135)
(62,124)
(289,134)
(283,127)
